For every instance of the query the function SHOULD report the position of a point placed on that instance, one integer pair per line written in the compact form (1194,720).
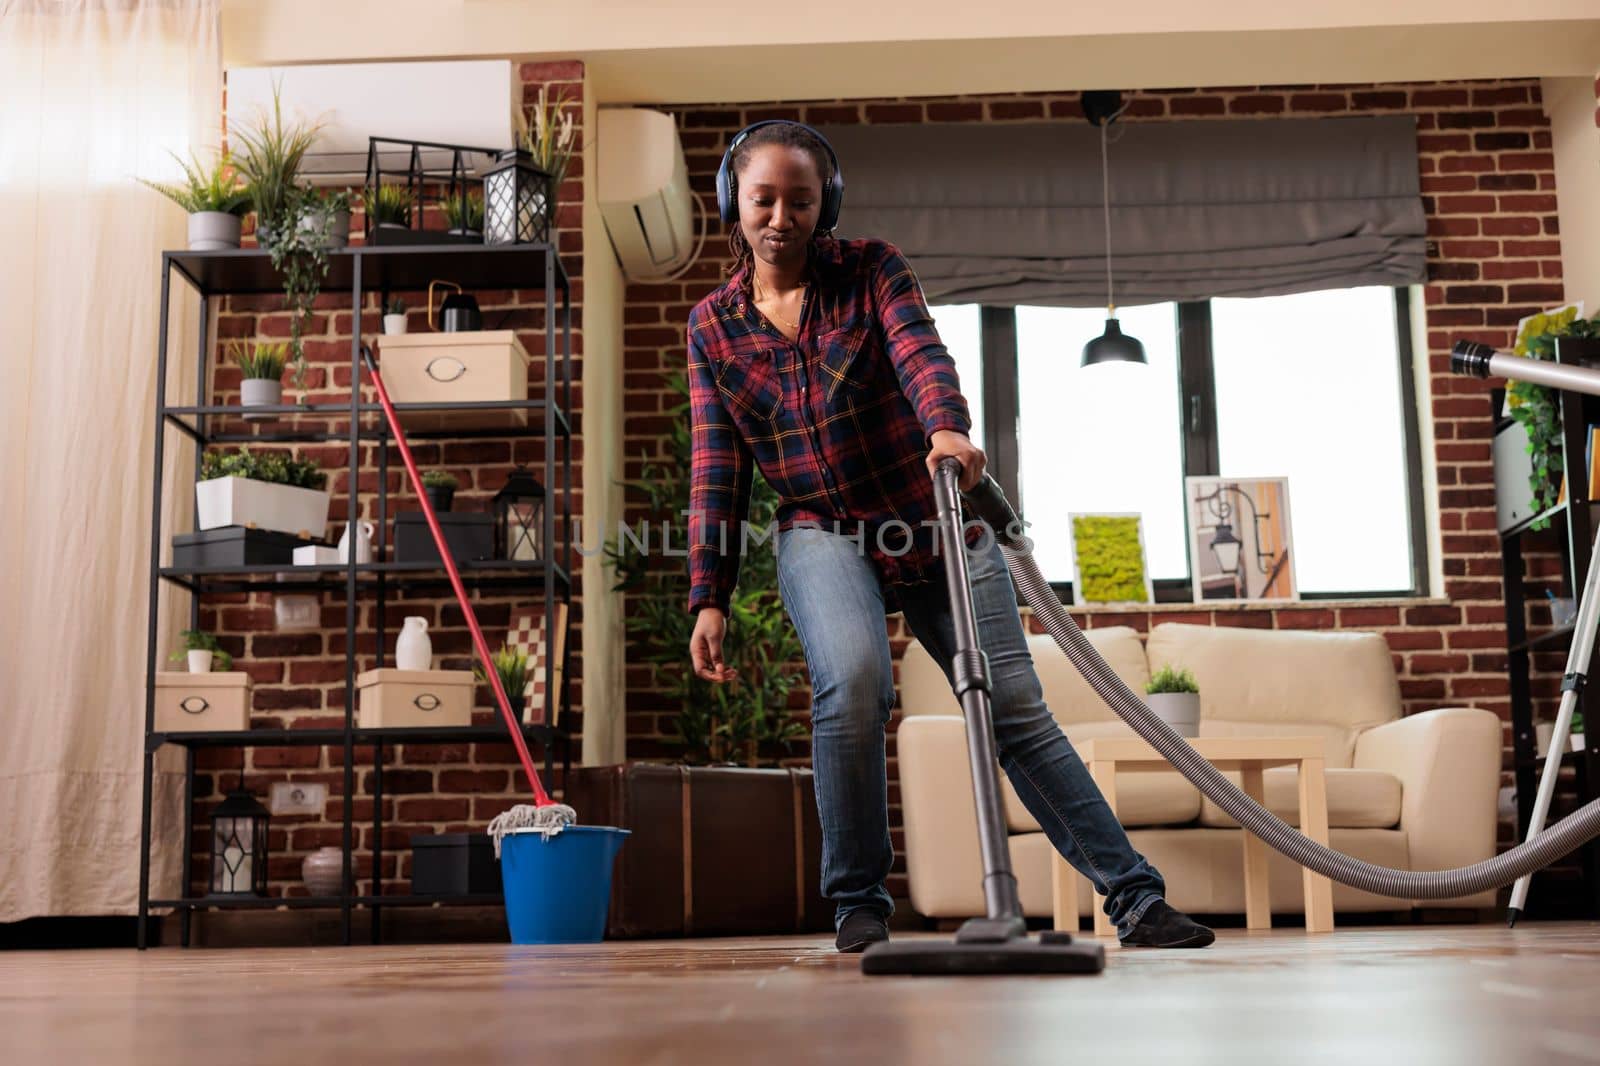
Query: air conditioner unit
(643,186)
(449,103)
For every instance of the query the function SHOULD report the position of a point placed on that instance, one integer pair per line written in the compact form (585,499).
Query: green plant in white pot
(271,490)
(1175,699)
(202,652)
(261,366)
(394,316)
(214,197)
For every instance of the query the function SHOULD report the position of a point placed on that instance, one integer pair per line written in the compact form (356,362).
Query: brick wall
(1488,182)
(299,677)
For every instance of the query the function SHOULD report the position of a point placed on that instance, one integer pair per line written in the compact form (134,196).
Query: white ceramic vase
(363,542)
(414,649)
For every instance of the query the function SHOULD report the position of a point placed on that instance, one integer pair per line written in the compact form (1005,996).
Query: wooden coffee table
(1106,756)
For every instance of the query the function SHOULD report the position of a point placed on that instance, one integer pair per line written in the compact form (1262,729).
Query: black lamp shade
(517,200)
(1113,346)
(239,846)
(1226,547)
(519,517)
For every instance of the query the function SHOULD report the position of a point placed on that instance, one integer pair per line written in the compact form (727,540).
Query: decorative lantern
(519,517)
(239,846)
(516,200)
(1226,547)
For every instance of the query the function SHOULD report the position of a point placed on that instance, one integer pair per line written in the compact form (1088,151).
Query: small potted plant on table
(1175,698)
(271,490)
(394,316)
(512,666)
(464,213)
(389,206)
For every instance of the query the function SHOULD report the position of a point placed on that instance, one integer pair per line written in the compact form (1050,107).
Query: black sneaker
(1163,927)
(860,930)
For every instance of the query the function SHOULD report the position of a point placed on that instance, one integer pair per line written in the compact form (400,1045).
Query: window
(1221,395)
(960,327)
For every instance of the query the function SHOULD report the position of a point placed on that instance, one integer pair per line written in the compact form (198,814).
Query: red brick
(1001,110)
(1256,105)
(433,810)
(1511,227)
(1188,106)
(894,112)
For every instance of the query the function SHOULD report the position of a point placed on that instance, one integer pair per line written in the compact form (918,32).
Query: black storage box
(470,536)
(235,546)
(454,863)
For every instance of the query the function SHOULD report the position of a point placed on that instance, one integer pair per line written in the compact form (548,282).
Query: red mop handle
(540,796)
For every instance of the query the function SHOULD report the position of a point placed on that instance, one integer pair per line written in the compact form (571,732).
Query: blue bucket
(558,887)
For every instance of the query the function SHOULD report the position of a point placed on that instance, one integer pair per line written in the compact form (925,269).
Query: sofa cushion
(1357,799)
(924,689)
(1256,682)
(1164,798)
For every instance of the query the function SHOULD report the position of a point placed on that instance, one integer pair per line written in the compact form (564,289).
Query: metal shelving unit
(1573,521)
(357,271)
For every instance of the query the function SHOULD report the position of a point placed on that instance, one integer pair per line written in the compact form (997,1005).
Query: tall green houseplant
(746,721)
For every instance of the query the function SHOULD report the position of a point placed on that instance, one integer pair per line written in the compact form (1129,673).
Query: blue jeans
(833,596)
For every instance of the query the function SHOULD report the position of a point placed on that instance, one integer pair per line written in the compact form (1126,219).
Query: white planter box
(241,501)
(414,698)
(480,366)
(202,703)
(1180,710)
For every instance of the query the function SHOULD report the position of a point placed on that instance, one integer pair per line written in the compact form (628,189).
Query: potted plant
(261,363)
(440,487)
(203,652)
(394,316)
(1175,698)
(271,151)
(327,213)
(215,199)
(271,490)
(749,723)
(549,135)
(1538,408)
(512,666)
(389,205)
(464,213)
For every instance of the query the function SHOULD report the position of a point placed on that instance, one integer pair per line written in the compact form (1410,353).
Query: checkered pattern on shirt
(837,421)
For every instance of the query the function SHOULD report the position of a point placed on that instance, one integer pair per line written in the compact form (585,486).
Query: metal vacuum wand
(1480,360)
(1472,359)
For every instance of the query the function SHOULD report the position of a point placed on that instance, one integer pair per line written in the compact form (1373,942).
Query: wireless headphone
(727,181)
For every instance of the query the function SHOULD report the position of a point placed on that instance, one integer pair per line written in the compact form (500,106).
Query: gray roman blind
(1010,213)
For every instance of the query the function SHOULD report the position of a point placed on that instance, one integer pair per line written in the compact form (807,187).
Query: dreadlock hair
(787,135)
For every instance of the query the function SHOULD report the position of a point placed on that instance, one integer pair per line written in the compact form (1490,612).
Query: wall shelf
(355,272)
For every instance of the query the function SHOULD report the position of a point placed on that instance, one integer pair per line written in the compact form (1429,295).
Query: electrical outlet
(297,797)
(296,612)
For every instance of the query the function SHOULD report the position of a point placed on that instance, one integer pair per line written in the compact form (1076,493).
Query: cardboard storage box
(202,703)
(431,699)
(480,366)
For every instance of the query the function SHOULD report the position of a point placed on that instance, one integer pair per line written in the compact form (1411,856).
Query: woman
(818,362)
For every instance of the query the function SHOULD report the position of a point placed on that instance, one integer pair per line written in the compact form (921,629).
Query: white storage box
(414,698)
(202,703)
(477,366)
(315,555)
(242,501)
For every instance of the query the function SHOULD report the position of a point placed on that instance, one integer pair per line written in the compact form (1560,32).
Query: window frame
(1199,440)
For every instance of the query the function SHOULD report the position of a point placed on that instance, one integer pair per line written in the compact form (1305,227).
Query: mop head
(549,819)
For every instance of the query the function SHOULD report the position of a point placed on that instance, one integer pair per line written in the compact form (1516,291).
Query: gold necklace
(760,298)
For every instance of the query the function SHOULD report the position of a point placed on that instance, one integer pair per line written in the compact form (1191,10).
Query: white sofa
(1413,792)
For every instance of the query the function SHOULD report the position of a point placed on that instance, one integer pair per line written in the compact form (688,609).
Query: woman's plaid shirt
(837,421)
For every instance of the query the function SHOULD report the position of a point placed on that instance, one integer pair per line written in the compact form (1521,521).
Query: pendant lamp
(1112,346)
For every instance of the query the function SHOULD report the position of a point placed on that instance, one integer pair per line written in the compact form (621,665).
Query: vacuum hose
(990,504)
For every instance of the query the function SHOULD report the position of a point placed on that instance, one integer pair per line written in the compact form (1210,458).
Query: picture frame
(1241,545)
(1110,564)
(547,649)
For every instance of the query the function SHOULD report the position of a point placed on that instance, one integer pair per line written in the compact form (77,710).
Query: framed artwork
(1240,547)
(1108,559)
(529,633)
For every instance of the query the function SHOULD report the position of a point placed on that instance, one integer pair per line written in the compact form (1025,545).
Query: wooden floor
(1439,994)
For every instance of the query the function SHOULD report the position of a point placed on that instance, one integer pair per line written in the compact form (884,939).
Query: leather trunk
(715,851)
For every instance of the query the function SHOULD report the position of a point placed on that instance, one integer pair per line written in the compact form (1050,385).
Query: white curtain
(92,93)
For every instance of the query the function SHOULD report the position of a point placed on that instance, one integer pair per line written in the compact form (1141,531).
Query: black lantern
(517,200)
(1226,548)
(239,846)
(519,517)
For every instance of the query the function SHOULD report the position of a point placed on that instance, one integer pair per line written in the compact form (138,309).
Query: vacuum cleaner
(998,942)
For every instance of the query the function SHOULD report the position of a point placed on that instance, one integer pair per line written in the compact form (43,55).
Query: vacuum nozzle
(1471,359)
(989,503)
